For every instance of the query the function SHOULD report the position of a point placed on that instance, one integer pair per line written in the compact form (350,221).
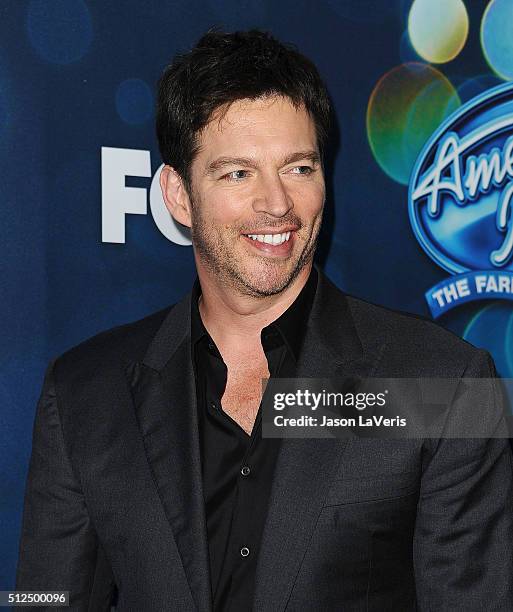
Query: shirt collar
(289,327)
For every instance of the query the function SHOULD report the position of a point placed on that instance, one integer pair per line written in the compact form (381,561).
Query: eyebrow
(248,162)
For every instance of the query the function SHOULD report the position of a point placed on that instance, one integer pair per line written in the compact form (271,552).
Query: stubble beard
(230,269)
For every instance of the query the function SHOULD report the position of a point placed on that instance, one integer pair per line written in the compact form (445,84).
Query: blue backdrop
(77,89)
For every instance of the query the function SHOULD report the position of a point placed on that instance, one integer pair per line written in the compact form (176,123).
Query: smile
(273,239)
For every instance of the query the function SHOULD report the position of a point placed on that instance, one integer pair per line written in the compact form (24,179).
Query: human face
(257,176)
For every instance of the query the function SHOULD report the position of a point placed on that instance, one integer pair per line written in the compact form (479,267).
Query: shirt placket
(242,545)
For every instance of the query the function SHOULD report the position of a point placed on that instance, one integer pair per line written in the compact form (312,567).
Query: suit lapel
(305,467)
(164,394)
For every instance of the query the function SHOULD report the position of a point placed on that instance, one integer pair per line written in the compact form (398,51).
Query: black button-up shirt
(238,468)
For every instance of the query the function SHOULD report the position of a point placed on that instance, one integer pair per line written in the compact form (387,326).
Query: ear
(175,195)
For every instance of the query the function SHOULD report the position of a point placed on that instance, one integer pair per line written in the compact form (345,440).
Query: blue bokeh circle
(134,101)
(60,31)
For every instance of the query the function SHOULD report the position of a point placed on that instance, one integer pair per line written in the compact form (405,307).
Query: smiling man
(150,477)
(258,231)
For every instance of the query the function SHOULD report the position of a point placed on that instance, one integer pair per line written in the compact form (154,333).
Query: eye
(306,170)
(235,175)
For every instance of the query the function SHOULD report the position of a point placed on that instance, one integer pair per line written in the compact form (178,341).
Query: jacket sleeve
(58,547)
(463,546)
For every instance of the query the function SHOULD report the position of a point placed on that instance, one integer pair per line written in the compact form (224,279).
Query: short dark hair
(225,67)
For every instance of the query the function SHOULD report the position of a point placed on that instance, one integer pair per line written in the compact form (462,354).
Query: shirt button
(244,551)
(245,470)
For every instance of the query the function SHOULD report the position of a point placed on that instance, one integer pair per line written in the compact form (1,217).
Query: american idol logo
(461,201)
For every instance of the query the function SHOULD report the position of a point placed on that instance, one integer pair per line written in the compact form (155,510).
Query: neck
(233,319)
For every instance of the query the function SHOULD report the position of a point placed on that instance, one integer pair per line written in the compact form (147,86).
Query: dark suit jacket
(114,493)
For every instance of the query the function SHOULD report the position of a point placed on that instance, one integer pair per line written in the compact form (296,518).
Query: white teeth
(273,239)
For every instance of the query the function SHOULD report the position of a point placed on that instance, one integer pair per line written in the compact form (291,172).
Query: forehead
(270,124)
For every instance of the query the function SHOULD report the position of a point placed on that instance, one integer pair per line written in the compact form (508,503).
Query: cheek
(227,209)
(309,201)
(213,208)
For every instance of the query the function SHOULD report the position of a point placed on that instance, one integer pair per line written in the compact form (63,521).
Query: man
(149,473)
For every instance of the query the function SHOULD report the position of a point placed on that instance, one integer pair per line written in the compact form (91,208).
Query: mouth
(276,243)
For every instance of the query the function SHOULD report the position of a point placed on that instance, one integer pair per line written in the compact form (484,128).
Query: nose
(272,197)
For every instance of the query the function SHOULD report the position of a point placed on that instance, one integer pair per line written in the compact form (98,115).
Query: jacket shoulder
(411,337)
(126,342)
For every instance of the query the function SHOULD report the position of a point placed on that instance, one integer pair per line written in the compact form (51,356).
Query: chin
(267,279)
